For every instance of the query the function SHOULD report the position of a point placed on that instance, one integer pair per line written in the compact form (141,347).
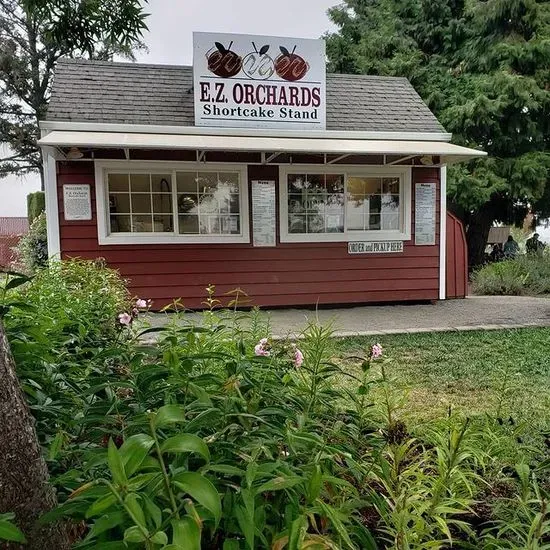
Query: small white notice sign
(263,213)
(377,247)
(424,214)
(77,202)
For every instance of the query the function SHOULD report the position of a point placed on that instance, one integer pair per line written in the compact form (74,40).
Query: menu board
(77,202)
(263,213)
(424,214)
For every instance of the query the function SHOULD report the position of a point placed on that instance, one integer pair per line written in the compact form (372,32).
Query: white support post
(52,209)
(443,234)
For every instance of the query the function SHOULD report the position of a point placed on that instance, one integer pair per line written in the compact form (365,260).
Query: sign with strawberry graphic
(246,81)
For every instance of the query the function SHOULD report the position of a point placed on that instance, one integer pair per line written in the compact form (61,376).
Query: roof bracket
(402,159)
(201,156)
(267,160)
(337,159)
(127,153)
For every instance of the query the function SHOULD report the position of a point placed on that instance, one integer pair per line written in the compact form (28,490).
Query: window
(180,204)
(340,205)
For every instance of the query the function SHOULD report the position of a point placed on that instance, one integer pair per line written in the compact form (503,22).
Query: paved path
(473,313)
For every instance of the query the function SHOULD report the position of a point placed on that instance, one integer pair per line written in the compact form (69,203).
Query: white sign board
(378,247)
(263,213)
(424,214)
(77,202)
(248,81)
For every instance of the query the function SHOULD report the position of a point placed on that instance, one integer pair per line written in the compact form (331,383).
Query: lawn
(499,373)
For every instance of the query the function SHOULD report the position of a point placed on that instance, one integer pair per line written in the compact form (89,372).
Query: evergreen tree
(483,67)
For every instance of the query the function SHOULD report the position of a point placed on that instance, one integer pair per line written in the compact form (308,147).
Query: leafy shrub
(33,247)
(78,297)
(218,437)
(36,205)
(525,275)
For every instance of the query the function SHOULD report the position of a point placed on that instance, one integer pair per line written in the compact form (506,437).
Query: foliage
(36,205)
(483,68)
(8,530)
(524,275)
(217,436)
(33,247)
(34,34)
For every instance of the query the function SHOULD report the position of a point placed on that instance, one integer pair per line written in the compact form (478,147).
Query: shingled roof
(134,93)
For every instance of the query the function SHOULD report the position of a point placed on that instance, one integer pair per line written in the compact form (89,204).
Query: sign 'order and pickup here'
(249,81)
(381,247)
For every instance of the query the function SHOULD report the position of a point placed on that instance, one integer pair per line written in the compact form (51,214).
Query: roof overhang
(403,148)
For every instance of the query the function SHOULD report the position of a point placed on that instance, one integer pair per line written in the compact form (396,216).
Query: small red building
(179,185)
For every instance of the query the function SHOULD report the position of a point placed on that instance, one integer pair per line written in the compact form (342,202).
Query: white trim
(51,125)
(52,206)
(443,234)
(375,235)
(102,203)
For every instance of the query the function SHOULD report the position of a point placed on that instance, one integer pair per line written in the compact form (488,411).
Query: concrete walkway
(473,313)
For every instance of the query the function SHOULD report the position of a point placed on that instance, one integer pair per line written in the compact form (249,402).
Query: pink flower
(141,303)
(125,319)
(298,358)
(261,349)
(375,351)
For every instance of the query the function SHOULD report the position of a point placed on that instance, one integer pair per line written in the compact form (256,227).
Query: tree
(24,487)
(483,67)
(34,34)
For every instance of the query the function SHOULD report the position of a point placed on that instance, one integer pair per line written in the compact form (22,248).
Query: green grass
(498,373)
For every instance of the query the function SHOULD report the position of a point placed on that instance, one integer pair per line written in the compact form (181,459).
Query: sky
(170,40)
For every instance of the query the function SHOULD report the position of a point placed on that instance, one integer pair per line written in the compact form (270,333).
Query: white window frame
(123,166)
(402,234)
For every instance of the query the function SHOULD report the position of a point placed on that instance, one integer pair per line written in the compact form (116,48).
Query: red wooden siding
(457,259)
(289,274)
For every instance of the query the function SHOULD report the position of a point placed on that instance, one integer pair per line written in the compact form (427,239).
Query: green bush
(36,205)
(78,297)
(33,247)
(525,275)
(221,438)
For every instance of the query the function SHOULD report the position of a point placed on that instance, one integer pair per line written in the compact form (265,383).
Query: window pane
(119,203)
(208,204)
(120,224)
(296,203)
(141,203)
(315,224)
(318,196)
(163,224)
(187,181)
(161,183)
(390,185)
(140,183)
(373,222)
(209,225)
(142,224)
(208,182)
(296,223)
(234,204)
(231,179)
(335,223)
(162,204)
(189,224)
(335,183)
(119,183)
(229,225)
(188,204)
(296,183)
(315,183)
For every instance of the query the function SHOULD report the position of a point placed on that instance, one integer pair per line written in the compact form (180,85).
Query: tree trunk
(477,233)
(24,487)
